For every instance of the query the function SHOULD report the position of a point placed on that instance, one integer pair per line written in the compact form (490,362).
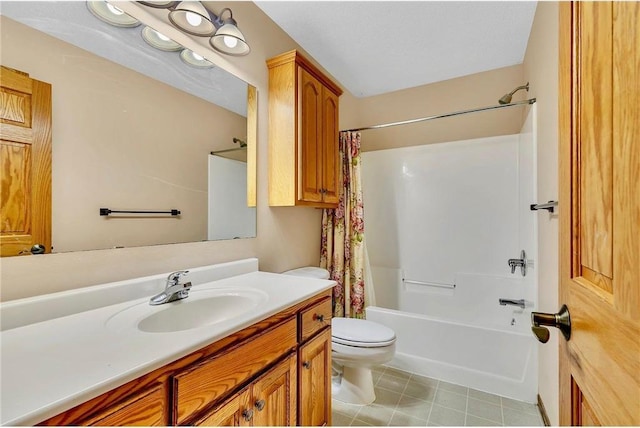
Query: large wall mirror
(134,128)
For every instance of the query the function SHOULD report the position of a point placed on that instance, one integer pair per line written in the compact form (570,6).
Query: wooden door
(275,394)
(25,158)
(600,212)
(234,412)
(309,138)
(330,153)
(314,367)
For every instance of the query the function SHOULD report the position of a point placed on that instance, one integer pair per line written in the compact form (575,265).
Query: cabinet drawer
(199,386)
(147,408)
(315,319)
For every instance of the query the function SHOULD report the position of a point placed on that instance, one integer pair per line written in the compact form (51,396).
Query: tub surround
(59,351)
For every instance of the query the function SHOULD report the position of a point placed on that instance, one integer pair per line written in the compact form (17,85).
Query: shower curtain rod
(440,116)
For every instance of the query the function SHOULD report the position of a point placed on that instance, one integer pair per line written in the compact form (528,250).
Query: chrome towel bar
(430,284)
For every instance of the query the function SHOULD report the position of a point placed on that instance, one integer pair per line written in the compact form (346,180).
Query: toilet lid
(363,333)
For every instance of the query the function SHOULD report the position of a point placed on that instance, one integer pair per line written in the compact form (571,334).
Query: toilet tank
(309,272)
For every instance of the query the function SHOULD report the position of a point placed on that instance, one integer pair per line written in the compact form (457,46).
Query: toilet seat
(361,333)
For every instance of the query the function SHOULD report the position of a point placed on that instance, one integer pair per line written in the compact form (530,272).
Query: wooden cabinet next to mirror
(304,167)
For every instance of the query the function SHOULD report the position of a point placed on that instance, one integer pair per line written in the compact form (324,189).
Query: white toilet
(356,346)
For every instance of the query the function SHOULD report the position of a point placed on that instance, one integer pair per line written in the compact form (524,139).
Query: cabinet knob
(260,405)
(247,414)
(306,364)
(318,317)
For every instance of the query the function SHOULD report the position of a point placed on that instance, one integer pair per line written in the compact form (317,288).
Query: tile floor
(403,399)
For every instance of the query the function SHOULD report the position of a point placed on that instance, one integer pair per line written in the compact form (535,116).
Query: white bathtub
(463,335)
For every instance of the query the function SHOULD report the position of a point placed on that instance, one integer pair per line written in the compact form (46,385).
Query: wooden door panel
(310,139)
(595,150)
(229,413)
(25,174)
(314,365)
(600,215)
(331,156)
(626,155)
(15,159)
(274,395)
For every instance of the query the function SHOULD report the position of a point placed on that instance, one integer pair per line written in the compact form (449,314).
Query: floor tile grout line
(502,411)
(432,401)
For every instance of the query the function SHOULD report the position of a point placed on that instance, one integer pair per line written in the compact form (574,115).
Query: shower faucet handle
(521,262)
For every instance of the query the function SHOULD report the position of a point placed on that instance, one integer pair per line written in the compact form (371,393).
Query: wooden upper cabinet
(304,167)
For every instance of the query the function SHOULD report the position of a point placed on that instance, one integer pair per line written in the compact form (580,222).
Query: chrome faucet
(174,290)
(505,302)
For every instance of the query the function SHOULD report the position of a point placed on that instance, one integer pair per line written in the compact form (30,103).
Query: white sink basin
(202,308)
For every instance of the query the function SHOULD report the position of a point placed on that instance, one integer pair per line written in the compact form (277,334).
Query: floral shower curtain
(343,250)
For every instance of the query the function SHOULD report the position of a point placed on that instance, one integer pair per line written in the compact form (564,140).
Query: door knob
(260,405)
(561,321)
(37,249)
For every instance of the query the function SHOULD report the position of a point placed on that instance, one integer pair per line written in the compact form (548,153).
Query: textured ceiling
(374,47)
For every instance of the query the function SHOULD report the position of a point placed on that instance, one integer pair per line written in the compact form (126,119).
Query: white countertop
(53,365)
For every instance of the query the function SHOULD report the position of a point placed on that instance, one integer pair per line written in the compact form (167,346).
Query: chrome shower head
(506,99)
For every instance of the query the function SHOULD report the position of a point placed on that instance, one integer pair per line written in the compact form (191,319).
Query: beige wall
(463,93)
(117,144)
(287,237)
(541,70)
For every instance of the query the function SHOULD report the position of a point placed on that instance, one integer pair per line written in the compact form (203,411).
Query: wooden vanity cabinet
(255,377)
(304,166)
(268,401)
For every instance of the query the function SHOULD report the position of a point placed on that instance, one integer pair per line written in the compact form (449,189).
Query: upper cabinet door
(310,139)
(331,167)
(25,157)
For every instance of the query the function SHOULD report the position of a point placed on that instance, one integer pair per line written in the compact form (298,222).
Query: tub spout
(504,302)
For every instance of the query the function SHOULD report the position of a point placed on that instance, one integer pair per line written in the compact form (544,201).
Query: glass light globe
(193,19)
(114,10)
(230,41)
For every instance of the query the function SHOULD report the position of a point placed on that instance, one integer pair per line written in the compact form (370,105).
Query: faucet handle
(175,276)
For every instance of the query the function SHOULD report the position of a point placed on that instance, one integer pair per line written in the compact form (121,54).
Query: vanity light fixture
(193,59)
(194,18)
(159,40)
(228,38)
(111,14)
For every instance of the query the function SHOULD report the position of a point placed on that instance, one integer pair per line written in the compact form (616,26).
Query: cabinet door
(314,405)
(234,412)
(309,137)
(331,169)
(274,395)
